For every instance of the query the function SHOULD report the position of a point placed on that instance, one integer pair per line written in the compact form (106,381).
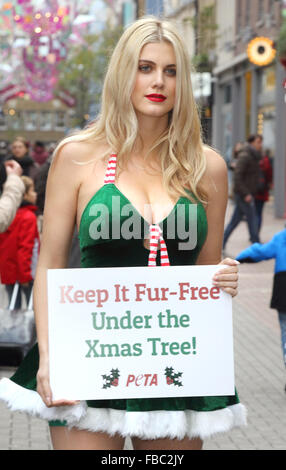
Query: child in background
(19,247)
(275,248)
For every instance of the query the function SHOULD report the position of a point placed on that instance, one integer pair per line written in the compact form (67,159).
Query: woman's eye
(171,72)
(144,68)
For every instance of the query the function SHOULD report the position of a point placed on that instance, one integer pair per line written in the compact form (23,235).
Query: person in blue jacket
(275,248)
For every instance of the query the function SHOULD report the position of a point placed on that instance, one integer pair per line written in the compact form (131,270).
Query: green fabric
(107,252)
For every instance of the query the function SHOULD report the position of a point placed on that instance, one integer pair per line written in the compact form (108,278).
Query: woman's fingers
(230,262)
(44,390)
(64,402)
(226,278)
(229,290)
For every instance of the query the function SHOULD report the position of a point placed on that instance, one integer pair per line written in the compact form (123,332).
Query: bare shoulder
(80,152)
(215,179)
(216,165)
(73,160)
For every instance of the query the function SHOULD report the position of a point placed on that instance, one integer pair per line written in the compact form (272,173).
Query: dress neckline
(132,206)
(109,180)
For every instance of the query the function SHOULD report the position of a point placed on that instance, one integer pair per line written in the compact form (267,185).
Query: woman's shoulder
(215,162)
(73,160)
(216,167)
(79,151)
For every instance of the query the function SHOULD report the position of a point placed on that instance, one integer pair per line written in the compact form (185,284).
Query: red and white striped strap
(110,170)
(155,230)
(156,237)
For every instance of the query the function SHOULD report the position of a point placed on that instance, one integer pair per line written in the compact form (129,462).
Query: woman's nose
(159,79)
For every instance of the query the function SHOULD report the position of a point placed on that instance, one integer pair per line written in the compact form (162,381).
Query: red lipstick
(157,98)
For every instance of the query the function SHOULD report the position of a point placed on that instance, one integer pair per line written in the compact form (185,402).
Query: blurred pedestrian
(20,153)
(246,181)
(232,164)
(19,247)
(265,182)
(40,184)
(275,248)
(12,189)
(39,153)
(236,149)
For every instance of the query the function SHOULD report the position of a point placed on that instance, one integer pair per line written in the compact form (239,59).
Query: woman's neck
(150,129)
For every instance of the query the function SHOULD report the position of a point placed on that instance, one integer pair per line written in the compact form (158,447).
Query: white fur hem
(144,424)
(18,398)
(163,424)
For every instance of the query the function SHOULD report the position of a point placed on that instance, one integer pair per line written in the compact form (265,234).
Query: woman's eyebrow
(153,63)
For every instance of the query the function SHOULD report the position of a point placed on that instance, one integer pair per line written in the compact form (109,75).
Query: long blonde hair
(180,147)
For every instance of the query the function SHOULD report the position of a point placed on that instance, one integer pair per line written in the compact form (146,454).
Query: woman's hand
(44,389)
(227,278)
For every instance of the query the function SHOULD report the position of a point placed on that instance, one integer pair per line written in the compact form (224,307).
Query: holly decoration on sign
(172,377)
(111,380)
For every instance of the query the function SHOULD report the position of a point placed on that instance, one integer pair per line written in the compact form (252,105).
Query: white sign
(138,333)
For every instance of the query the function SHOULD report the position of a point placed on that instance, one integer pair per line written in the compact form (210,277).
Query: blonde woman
(145,149)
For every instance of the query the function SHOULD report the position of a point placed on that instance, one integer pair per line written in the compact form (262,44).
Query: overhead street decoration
(261,51)
(34,40)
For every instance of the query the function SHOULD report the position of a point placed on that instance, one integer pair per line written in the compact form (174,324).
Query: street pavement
(259,369)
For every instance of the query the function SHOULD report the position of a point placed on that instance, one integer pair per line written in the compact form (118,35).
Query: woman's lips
(156,98)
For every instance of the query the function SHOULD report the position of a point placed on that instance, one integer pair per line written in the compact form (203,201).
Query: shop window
(227,94)
(31,120)
(46,119)
(268,79)
(60,120)
(15,119)
(266,120)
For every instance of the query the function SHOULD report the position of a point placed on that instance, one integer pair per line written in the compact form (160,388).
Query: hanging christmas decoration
(46,31)
(261,51)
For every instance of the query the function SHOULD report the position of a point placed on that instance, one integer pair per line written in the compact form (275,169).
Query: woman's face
(19,149)
(155,84)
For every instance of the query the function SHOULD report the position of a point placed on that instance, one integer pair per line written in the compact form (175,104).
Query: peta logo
(145,380)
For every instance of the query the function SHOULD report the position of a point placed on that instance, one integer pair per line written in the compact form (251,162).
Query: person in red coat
(19,247)
(266,181)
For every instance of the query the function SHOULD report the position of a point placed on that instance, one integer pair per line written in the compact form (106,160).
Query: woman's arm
(216,184)
(58,227)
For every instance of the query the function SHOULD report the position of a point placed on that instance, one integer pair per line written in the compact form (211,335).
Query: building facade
(48,122)
(249,98)
(182,13)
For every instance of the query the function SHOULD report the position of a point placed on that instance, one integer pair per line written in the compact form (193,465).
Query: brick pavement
(259,369)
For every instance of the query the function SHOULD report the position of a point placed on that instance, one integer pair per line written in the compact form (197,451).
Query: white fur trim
(18,398)
(143,424)
(163,424)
